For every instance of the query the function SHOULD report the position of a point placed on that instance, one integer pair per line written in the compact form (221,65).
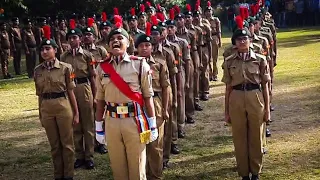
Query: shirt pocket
(253,68)
(233,70)
(59,81)
(40,81)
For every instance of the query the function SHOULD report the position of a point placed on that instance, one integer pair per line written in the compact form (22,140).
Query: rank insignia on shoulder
(106,75)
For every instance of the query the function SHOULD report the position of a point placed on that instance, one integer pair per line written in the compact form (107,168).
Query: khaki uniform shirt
(29,39)
(58,79)
(99,53)
(4,40)
(159,71)
(129,70)
(82,62)
(254,69)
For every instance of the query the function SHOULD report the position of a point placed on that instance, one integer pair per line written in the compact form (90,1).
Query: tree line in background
(35,8)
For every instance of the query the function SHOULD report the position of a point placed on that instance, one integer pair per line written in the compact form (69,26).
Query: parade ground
(207,151)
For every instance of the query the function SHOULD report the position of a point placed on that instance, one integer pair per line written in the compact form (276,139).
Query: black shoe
(181,134)
(101,149)
(8,76)
(190,120)
(89,164)
(69,178)
(204,97)
(268,133)
(255,177)
(175,149)
(78,163)
(166,165)
(246,178)
(271,108)
(197,107)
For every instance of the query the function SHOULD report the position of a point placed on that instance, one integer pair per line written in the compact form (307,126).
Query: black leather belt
(246,87)
(53,95)
(81,80)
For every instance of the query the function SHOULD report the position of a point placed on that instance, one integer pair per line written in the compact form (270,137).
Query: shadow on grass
(15,81)
(298,41)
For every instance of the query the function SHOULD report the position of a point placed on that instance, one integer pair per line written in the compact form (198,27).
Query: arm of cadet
(187,59)
(266,97)
(148,101)
(13,46)
(100,107)
(58,40)
(93,86)
(24,42)
(73,102)
(179,84)
(226,100)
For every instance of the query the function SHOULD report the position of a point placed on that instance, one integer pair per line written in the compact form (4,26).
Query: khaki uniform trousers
(4,57)
(127,154)
(189,95)
(168,130)
(181,111)
(84,132)
(56,118)
(155,148)
(246,110)
(196,74)
(204,74)
(17,58)
(215,55)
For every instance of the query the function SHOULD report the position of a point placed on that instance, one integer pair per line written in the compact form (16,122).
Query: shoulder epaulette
(230,57)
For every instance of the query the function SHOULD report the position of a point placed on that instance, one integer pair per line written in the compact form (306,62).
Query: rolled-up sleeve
(226,75)
(100,91)
(146,80)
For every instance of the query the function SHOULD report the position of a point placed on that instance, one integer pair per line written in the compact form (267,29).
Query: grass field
(207,151)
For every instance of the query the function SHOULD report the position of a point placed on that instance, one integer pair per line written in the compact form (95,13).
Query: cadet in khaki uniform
(161,87)
(216,40)
(4,50)
(42,21)
(183,33)
(206,53)
(61,37)
(246,102)
(125,122)
(30,46)
(83,63)
(184,70)
(16,45)
(99,53)
(134,31)
(57,106)
(171,128)
(196,54)
(105,29)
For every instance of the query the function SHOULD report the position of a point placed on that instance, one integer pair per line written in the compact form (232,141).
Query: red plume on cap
(90,22)
(197,6)
(208,3)
(246,13)
(118,21)
(263,2)
(171,14)
(177,9)
(252,9)
(72,24)
(133,11)
(47,32)
(239,22)
(188,7)
(154,20)
(161,17)
(257,8)
(142,8)
(159,7)
(148,29)
(104,16)
(115,11)
(242,13)
(148,4)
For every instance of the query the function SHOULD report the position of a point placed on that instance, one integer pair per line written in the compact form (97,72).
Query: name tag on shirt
(106,75)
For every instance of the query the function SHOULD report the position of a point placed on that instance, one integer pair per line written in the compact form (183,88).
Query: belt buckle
(122,110)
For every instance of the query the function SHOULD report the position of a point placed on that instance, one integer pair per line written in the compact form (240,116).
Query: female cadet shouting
(57,106)
(246,102)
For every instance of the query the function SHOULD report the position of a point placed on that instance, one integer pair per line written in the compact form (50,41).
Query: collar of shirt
(151,59)
(119,59)
(157,48)
(173,38)
(166,43)
(190,26)
(255,37)
(90,46)
(51,64)
(76,51)
(183,30)
(247,56)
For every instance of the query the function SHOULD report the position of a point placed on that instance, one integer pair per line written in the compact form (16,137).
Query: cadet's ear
(55,50)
